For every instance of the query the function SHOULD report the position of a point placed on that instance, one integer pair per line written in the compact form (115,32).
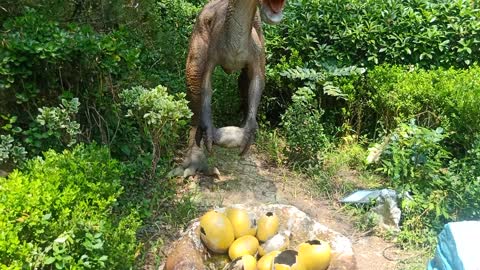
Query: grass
(163,205)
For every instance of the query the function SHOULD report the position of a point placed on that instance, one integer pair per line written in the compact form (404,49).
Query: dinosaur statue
(227,33)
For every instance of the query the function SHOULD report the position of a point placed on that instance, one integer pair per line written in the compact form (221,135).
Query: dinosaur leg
(255,88)
(243,83)
(199,94)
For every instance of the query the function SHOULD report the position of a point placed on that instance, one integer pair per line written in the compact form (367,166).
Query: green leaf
(49,260)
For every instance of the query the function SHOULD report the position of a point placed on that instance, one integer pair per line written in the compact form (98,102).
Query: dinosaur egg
(245,245)
(287,260)
(265,263)
(314,254)
(249,262)
(242,223)
(267,226)
(245,262)
(216,231)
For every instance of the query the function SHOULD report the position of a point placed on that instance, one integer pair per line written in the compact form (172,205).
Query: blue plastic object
(457,247)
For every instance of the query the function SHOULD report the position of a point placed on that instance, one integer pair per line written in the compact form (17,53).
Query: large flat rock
(188,252)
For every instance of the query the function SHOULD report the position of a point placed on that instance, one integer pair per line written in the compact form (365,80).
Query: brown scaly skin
(227,33)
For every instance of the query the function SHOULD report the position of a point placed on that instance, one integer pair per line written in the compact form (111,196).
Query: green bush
(34,47)
(43,62)
(53,128)
(57,213)
(11,150)
(303,121)
(441,189)
(414,155)
(164,37)
(467,182)
(303,130)
(447,98)
(325,34)
(366,33)
(158,114)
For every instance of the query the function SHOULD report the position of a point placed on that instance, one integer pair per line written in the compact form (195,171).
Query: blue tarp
(458,247)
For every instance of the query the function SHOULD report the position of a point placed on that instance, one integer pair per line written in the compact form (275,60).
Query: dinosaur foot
(193,170)
(195,162)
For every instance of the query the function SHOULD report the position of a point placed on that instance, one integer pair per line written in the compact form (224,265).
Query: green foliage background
(401,74)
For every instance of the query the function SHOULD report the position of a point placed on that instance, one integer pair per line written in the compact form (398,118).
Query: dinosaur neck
(240,15)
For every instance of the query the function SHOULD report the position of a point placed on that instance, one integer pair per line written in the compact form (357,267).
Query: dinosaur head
(272,10)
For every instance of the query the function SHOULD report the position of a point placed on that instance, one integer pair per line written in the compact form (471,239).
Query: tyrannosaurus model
(227,33)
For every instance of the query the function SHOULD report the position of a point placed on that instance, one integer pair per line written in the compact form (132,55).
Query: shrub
(53,128)
(303,130)
(57,213)
(302,122)
(447,98)
(440,189)
(324,34)
(367,33)
(34,45)
(413,155)
(43,62)
(11,150)
(165,52)
(157,113)
(467,182)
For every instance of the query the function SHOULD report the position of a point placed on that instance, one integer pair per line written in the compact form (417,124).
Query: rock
(189,251)
(386,213)
(387,210)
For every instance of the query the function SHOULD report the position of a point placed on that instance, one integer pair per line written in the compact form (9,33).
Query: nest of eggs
(261,237)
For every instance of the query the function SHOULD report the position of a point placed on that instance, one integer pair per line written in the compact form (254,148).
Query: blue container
(458,247)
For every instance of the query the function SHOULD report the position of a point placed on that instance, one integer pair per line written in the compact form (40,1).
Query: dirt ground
(251,179)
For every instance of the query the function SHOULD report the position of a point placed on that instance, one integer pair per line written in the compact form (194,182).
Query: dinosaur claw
(190,171)
(246,147)
(215,172)
(208,144)
(178,171)
(207,134)
(249,136)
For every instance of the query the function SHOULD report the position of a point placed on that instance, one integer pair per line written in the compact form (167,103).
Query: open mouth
(276,6)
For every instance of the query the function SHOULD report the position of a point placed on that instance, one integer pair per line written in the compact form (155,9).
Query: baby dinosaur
(227,33)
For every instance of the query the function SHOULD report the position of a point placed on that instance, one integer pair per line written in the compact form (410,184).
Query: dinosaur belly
(235,62)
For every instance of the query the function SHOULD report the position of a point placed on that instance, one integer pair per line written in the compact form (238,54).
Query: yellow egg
(245,245)
(265,263)
(242,223)
(287,260)
(267,226)
(245,262)
(249,262)
(216,231)
(315,254)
